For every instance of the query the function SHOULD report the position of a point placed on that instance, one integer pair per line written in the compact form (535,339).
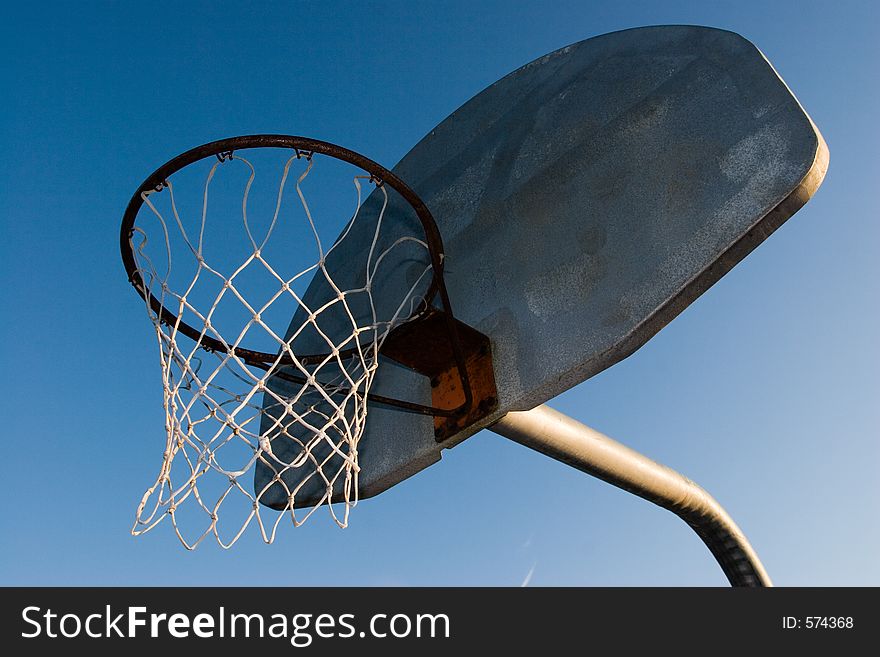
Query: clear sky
(765,391)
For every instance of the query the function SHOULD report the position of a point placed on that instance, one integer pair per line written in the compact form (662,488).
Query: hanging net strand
(228,412)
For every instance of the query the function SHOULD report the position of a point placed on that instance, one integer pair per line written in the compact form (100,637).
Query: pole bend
(560,437)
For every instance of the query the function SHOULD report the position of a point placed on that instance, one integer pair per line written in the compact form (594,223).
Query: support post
(560,437)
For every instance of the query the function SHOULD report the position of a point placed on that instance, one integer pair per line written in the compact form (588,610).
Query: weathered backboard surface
(585,200)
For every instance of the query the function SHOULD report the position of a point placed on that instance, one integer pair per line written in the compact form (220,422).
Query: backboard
(584,200)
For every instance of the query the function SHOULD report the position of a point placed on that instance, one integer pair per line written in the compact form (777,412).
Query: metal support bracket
(424,347)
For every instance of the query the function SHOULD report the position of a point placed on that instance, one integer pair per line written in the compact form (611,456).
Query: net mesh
(246,442)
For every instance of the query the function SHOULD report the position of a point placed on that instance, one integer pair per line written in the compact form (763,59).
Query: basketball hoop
(223,396)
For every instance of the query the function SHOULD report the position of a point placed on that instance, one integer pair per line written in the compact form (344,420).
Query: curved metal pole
(560,437)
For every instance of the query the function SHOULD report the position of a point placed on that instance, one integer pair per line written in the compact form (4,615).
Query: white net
(257,442)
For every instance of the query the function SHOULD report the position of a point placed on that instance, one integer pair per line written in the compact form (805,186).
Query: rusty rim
(304,147)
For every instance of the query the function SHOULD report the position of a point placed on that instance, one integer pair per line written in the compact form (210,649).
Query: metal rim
(306,147)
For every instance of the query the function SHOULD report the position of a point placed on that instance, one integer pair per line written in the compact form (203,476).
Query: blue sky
(764,391)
